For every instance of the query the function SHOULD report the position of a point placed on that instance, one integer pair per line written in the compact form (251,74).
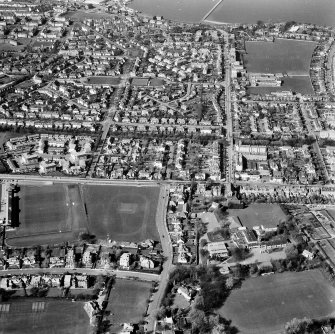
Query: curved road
(167,266)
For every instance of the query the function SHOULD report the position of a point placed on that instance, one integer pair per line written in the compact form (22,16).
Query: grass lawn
(263,305)
(40,316)
(127,301)
(282,56)
(48,214)
(125,213)
(140,82)
(268,215)
(157,82)
(103,80)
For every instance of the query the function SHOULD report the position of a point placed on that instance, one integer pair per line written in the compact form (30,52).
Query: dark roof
(215,236)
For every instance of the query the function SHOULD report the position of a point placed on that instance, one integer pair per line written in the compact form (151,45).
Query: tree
(230,283)
(291,251)
(239,254)
(199,321)
(87,237)
(298,326)
(219,329)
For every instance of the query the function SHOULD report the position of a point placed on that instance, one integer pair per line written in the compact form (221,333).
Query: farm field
(301,84)
(268,215)
(124,213)
(263,305)
(48,214)
(40,316)
(282,56)
(128,302)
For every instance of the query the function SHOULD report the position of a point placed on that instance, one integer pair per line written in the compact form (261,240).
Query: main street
(229,176)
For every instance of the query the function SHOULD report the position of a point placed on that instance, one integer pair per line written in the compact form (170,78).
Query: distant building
(217,248)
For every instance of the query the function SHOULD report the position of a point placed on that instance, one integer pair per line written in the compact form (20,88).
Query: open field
(268,215)
(263,305)
(156,82)
(81,15)
(301,84)
(140,82)
(103,80)
(127,301)
(125,213)
(9,47)
(282,56)
(40,316)
(48,214)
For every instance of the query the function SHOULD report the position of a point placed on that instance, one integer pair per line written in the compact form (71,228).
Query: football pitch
(122,213)
(40,316)
(263,305)
(48,214)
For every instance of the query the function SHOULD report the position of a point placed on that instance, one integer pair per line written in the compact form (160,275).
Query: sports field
(268,215)
(263,305)
(124,213)
(49,213)
(128,301)
(282,56)
(103,80)
(40,316)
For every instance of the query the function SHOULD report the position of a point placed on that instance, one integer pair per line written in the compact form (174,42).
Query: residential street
(167,249)
(92,272)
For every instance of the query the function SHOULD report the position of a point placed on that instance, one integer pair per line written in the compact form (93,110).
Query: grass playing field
(263,305)
(268,215)
(127,301)
(48,214)
(125,213)
(40,316)
(282,56)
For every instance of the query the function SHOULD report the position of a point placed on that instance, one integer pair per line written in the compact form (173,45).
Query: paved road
(92,272)
(229,127)
(167,250)
(96,181)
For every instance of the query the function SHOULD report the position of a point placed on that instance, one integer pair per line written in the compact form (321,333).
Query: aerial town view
(167,166)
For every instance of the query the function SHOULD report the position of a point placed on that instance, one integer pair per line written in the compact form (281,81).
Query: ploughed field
(263,305)
(48,213)
(40,316)
(122,213)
